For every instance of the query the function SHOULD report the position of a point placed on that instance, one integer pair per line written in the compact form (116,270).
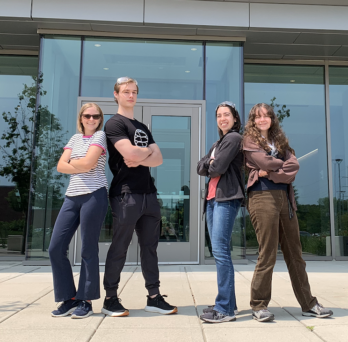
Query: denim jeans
(220,219)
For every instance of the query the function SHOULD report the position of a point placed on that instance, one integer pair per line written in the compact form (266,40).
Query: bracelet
(69,161)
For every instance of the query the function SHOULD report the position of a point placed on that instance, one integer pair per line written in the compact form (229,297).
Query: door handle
(202,193)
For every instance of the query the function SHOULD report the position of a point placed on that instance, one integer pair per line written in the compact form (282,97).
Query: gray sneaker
(210,308)
(263,315)
(318,311)
(216,317)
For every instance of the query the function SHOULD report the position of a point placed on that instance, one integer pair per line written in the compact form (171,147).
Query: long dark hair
(237,125)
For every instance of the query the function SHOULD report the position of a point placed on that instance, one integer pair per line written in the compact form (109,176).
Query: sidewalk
(26,300)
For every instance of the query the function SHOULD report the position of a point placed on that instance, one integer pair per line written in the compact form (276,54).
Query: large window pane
(163,69)
(55,124)
(224,82)
(17,87)
(339,143)
(301,90)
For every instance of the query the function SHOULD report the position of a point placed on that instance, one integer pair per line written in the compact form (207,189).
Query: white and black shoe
(216,317)
(318,311)
(159,305)
(113,307)
(263,315)
(211,308)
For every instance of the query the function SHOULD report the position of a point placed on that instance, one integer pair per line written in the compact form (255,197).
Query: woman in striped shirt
(85,204)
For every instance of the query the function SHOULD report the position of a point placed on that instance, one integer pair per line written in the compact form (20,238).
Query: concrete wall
(274,14)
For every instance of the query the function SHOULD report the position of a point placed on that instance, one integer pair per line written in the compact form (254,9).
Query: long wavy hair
(275,132)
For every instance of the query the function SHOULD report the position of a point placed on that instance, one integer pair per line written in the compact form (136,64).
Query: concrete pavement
(26,300)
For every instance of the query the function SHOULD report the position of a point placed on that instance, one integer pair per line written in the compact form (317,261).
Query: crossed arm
(134,156)
(81,165)
(272,168)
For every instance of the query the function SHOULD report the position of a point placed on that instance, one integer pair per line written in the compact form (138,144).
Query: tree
(281,113)
(20,152)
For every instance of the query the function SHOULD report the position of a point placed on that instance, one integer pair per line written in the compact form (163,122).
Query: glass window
(163,69)
(17,88)
(298,96)
(55,124)
(339,145)
(224,82)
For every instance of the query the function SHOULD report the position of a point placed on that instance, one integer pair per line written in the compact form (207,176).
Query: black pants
(142,213)
(88,211)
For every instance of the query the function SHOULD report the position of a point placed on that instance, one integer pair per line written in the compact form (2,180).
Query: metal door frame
(110,102)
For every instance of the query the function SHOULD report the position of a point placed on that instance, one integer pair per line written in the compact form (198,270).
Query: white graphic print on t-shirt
(140,138)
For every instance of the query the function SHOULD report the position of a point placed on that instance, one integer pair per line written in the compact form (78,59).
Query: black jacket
(228,164)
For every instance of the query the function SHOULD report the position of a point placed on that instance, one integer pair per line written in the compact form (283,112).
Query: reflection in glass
(339,146)
(224,82)
(301,90)
(163,69)
(17,95)
(55,124)
(172,178)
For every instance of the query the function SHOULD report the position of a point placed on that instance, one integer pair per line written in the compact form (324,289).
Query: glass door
(176,131)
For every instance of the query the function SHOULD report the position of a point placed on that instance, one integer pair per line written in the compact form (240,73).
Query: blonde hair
(83,108)
(127,80)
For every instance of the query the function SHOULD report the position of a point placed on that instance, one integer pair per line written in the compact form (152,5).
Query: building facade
(187,57)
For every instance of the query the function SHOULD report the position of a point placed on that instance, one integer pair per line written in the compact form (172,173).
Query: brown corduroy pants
(269,213)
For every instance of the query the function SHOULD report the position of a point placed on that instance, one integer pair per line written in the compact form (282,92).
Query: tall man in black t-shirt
(132,150)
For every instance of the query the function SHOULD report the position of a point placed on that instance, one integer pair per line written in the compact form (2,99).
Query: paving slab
(260,334)
(151,334)
(26,300)
(52,335)
(332,333)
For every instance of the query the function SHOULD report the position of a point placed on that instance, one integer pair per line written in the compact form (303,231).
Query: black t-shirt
(128,179)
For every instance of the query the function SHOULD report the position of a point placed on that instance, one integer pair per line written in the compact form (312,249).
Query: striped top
(87,182)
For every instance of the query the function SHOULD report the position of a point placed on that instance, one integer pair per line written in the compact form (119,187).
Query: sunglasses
(231,104)
(94,116)
(122,80)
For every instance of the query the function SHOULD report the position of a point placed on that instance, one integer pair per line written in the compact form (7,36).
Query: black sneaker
(113,307)
(83,310)
(263,315)
(216,317)
(65,308)
(318,311)
(210,308)
(159,305)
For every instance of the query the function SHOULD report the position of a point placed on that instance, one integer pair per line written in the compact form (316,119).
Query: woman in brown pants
(272,167)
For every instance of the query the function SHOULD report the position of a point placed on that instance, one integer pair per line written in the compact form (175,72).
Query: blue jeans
(220,219)
(88,211)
